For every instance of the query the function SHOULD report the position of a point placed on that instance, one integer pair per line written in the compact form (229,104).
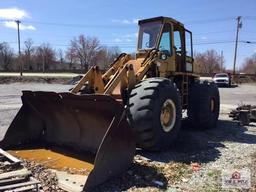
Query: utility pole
(20,64)
(43,61)
(221,61)
(239,25)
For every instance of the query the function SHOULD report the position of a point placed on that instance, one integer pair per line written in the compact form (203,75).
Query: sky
(114,23)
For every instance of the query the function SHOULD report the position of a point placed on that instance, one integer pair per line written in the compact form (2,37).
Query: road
(10,101)
(233,96)
(13,74)
(245,93)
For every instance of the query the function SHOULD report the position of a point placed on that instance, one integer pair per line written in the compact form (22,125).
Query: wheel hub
(168,115)
(212,104)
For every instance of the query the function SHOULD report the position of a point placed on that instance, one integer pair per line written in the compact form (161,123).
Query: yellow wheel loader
(135,103)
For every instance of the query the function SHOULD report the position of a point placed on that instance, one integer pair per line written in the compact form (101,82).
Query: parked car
(222,79)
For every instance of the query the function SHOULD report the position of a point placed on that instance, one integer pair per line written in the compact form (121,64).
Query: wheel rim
(212,104)
(168,115)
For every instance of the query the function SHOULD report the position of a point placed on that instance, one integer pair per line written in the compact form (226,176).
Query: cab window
(165,43)
(189,52)
(177,41)
(148,35)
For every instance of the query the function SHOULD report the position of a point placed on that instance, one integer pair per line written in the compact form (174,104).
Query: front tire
(155,113)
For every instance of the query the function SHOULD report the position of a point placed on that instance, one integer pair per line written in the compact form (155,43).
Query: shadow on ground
(191,146)
(202,145)
(138,176)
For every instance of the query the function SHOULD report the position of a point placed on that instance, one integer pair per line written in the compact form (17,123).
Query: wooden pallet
(14,177)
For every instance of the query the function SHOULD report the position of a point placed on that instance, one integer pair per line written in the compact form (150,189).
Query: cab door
(165,46)
(179,48)
(182,44)
(189,51)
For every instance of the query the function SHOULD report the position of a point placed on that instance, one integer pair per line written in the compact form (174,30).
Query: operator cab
(171,38)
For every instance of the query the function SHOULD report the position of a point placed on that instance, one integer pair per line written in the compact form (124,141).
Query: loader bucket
(81,124)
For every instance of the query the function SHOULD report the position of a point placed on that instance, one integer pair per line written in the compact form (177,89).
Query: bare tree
(86,49)
(27,60)
(112,53)
(106,56)
(6,57)
(45,57)
(249,65)
(208,62)
(71,57)
(60,56)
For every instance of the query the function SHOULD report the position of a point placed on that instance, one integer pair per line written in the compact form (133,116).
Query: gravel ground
(194,163)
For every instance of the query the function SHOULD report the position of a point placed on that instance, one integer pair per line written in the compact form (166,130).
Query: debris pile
(48,179)
(244,114)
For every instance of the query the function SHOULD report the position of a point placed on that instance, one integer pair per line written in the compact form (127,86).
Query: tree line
(210,62)
(249,65)
(82,53)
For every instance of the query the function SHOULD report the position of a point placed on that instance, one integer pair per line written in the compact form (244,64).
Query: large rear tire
(155,113)
(203,105)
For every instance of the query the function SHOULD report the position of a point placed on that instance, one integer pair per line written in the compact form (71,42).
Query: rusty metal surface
(94,123)
(59,159)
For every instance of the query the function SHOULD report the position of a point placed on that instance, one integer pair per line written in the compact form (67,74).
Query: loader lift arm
(121,72)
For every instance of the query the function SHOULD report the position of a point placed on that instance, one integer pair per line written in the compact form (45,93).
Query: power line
(121,25)
(114,26)
(249,42)
(70,25)
(71,37)
(132,38)
(212,43)
(67,45)
(77,25)
(213,32)
(253,32)
(250,17)
(4,20)
(133,45)
(203,21)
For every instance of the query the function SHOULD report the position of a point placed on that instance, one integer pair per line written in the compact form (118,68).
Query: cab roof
(162,19)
